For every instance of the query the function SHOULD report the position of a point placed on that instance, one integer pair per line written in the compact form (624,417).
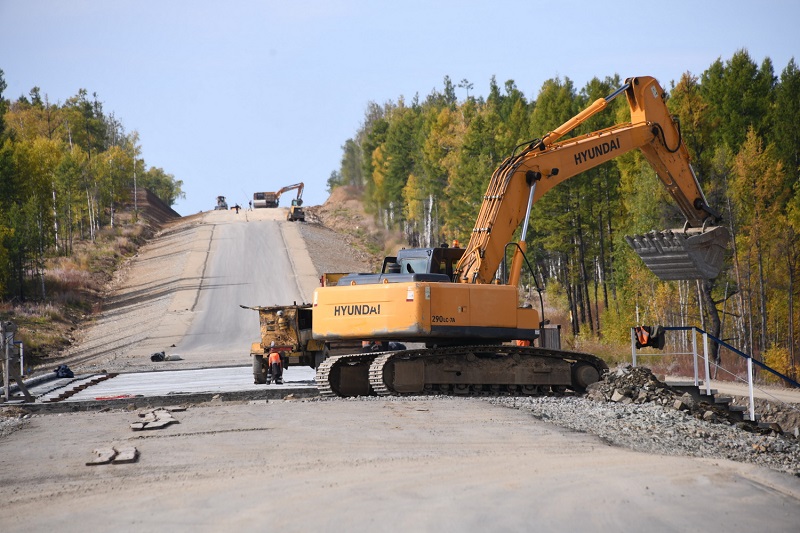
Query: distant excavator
(271,199)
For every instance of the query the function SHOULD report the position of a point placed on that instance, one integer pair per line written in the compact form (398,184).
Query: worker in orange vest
(275,367)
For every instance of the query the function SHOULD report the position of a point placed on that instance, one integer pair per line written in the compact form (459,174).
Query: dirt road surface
(342,465)
(432,465)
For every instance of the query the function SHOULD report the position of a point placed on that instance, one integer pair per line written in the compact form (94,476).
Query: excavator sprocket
(677,254)
(463,370)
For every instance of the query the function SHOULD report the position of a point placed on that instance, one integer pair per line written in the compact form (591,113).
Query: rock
(678,405)
(774,426)
(594,386)
(688,400)
(618,395)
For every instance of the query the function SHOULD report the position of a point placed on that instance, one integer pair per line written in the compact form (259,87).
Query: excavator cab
(440,260)
(412,264)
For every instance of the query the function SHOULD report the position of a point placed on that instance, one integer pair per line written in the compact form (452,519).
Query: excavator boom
(524,178)
(299,186)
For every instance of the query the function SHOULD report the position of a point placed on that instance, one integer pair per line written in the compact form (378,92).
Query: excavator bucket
(682,254)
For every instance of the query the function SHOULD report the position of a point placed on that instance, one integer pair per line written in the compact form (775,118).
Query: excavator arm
(522,179)
(298,186)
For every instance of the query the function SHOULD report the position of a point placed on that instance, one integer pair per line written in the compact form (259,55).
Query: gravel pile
(646,427)
(653,428)
(639,385)
(630,407)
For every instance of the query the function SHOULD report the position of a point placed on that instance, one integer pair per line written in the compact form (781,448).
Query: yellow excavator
(450,301)
(272,199)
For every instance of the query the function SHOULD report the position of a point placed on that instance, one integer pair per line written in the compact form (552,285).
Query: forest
(65,171)
(424,166)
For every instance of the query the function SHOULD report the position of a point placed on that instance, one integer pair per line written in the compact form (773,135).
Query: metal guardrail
(707,364)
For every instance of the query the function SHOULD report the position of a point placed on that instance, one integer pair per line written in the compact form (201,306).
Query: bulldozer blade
(682,254)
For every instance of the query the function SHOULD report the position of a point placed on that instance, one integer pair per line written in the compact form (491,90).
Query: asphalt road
(248,264)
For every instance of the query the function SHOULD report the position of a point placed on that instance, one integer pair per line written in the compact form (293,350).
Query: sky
(252,95)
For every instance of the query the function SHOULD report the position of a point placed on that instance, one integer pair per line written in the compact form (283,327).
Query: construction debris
(126,455)
(155,419)
(162,356)
(104,456)
(63,371)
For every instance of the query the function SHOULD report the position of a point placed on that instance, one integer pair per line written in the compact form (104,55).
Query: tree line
(424,166)
(65,170)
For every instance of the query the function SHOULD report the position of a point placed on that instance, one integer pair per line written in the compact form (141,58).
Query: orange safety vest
(642,335)
(274,357)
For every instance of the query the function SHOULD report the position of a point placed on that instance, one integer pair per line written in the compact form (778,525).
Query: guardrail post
(694,355)
(4,343)
(705,356)
(750,388)
(633,347)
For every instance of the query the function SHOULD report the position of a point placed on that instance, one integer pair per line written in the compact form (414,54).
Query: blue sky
(241,96)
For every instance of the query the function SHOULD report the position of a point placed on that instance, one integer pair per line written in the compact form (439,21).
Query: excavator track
(345,375)
(483,370)
(462,370)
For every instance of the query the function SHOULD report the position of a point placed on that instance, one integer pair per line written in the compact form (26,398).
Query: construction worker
(275,363)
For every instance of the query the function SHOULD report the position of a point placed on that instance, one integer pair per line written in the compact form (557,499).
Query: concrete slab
(175,382)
